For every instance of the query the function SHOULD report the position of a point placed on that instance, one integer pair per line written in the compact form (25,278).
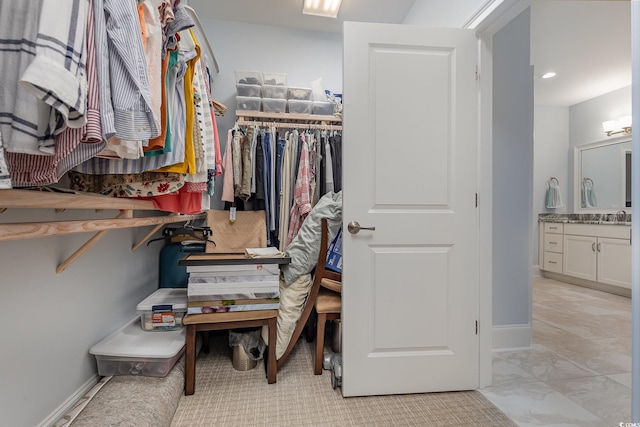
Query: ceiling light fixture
(548,75)
(326,8)
(614,127)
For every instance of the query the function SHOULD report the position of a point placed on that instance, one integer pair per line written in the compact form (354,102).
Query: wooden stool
(221,321)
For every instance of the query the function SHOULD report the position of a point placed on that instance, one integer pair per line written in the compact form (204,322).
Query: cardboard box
(334,254)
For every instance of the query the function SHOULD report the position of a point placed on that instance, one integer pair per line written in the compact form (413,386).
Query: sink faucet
(619,213)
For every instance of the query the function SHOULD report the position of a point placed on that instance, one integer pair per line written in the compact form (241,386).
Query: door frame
(487,21)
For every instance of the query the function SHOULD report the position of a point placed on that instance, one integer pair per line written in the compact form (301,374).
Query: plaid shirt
(301,193)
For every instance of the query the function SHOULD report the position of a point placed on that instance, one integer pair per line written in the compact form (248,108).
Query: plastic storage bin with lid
(274,79)
(300,107)
(323,108)
(248,78)
(274,105)
(163,310)
(248,103)
(132,351)
(300,93)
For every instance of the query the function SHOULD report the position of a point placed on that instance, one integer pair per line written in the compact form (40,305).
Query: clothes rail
(285,125)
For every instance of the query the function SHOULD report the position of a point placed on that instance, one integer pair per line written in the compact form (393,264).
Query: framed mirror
(602,176)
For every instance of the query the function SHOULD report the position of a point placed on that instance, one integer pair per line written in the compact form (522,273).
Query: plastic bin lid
(131,341)
(176,297)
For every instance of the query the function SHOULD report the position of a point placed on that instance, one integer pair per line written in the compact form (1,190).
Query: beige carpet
(226,397)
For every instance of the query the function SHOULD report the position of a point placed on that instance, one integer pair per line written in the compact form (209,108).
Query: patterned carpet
(226,397)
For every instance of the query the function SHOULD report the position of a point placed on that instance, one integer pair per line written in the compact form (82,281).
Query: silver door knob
(354,227)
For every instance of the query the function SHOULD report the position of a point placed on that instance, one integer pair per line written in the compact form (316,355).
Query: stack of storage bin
(299,100)
(249,90)
(151,343)
(261,91)
(274,93)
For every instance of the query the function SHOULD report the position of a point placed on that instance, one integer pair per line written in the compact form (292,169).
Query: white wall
(512,183)
(51,320)
(551,158)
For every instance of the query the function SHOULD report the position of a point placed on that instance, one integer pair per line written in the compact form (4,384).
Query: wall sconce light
(326,8)
(614,127)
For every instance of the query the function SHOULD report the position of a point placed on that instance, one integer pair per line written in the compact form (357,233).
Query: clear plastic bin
(249,90)
(323,108)
(248,103)
(300,93)
(163,310)
(132,351)
(300,107)
(274,79)
(274,92)
(248,78)
(274,105)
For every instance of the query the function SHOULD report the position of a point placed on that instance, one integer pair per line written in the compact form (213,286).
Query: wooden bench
(221,321)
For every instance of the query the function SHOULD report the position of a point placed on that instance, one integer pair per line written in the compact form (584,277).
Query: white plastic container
(163,310)
(248,103)
(274,92)
(249,90)
(132,351)
(274,105)
(300,93)
(300,107)
(323,108)
(248,78)
(274,79)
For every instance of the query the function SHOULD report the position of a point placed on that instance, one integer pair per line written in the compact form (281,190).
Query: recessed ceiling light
(327,8)
(548,75)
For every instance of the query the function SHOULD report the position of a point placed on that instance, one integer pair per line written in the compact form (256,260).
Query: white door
(410,293)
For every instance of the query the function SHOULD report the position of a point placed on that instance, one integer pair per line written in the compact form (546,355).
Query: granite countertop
(609,219)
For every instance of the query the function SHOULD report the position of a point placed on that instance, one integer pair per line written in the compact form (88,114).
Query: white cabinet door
(579,259)
(410,294)
(614,262)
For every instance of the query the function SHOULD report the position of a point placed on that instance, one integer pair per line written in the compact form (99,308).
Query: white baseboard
(508,337)
(68,404)
(536,271)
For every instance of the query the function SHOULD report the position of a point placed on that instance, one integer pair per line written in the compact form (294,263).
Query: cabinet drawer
(553,243)
(553,227)
(553,262)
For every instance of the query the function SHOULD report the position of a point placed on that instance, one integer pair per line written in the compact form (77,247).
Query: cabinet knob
(593,246)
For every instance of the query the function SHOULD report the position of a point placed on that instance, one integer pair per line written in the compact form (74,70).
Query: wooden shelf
(41,199)
(33,199)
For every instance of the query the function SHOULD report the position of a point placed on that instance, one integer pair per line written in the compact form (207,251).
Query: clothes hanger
(186,230)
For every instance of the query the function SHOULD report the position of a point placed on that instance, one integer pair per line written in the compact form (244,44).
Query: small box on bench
(163,310)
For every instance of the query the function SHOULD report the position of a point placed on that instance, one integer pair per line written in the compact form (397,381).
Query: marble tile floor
(578,370)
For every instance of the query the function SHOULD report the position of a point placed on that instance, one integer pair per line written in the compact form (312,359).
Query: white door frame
(487,21)
(635,217)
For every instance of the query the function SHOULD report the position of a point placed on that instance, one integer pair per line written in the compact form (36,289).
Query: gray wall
(51,320)
(512,173)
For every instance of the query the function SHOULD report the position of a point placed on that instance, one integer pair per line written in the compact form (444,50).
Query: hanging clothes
(301,193)
(43,88)
(73,145)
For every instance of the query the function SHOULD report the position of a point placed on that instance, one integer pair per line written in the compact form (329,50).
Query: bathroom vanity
(592,250)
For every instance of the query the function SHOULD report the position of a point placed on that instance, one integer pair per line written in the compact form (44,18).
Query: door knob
(354,227)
